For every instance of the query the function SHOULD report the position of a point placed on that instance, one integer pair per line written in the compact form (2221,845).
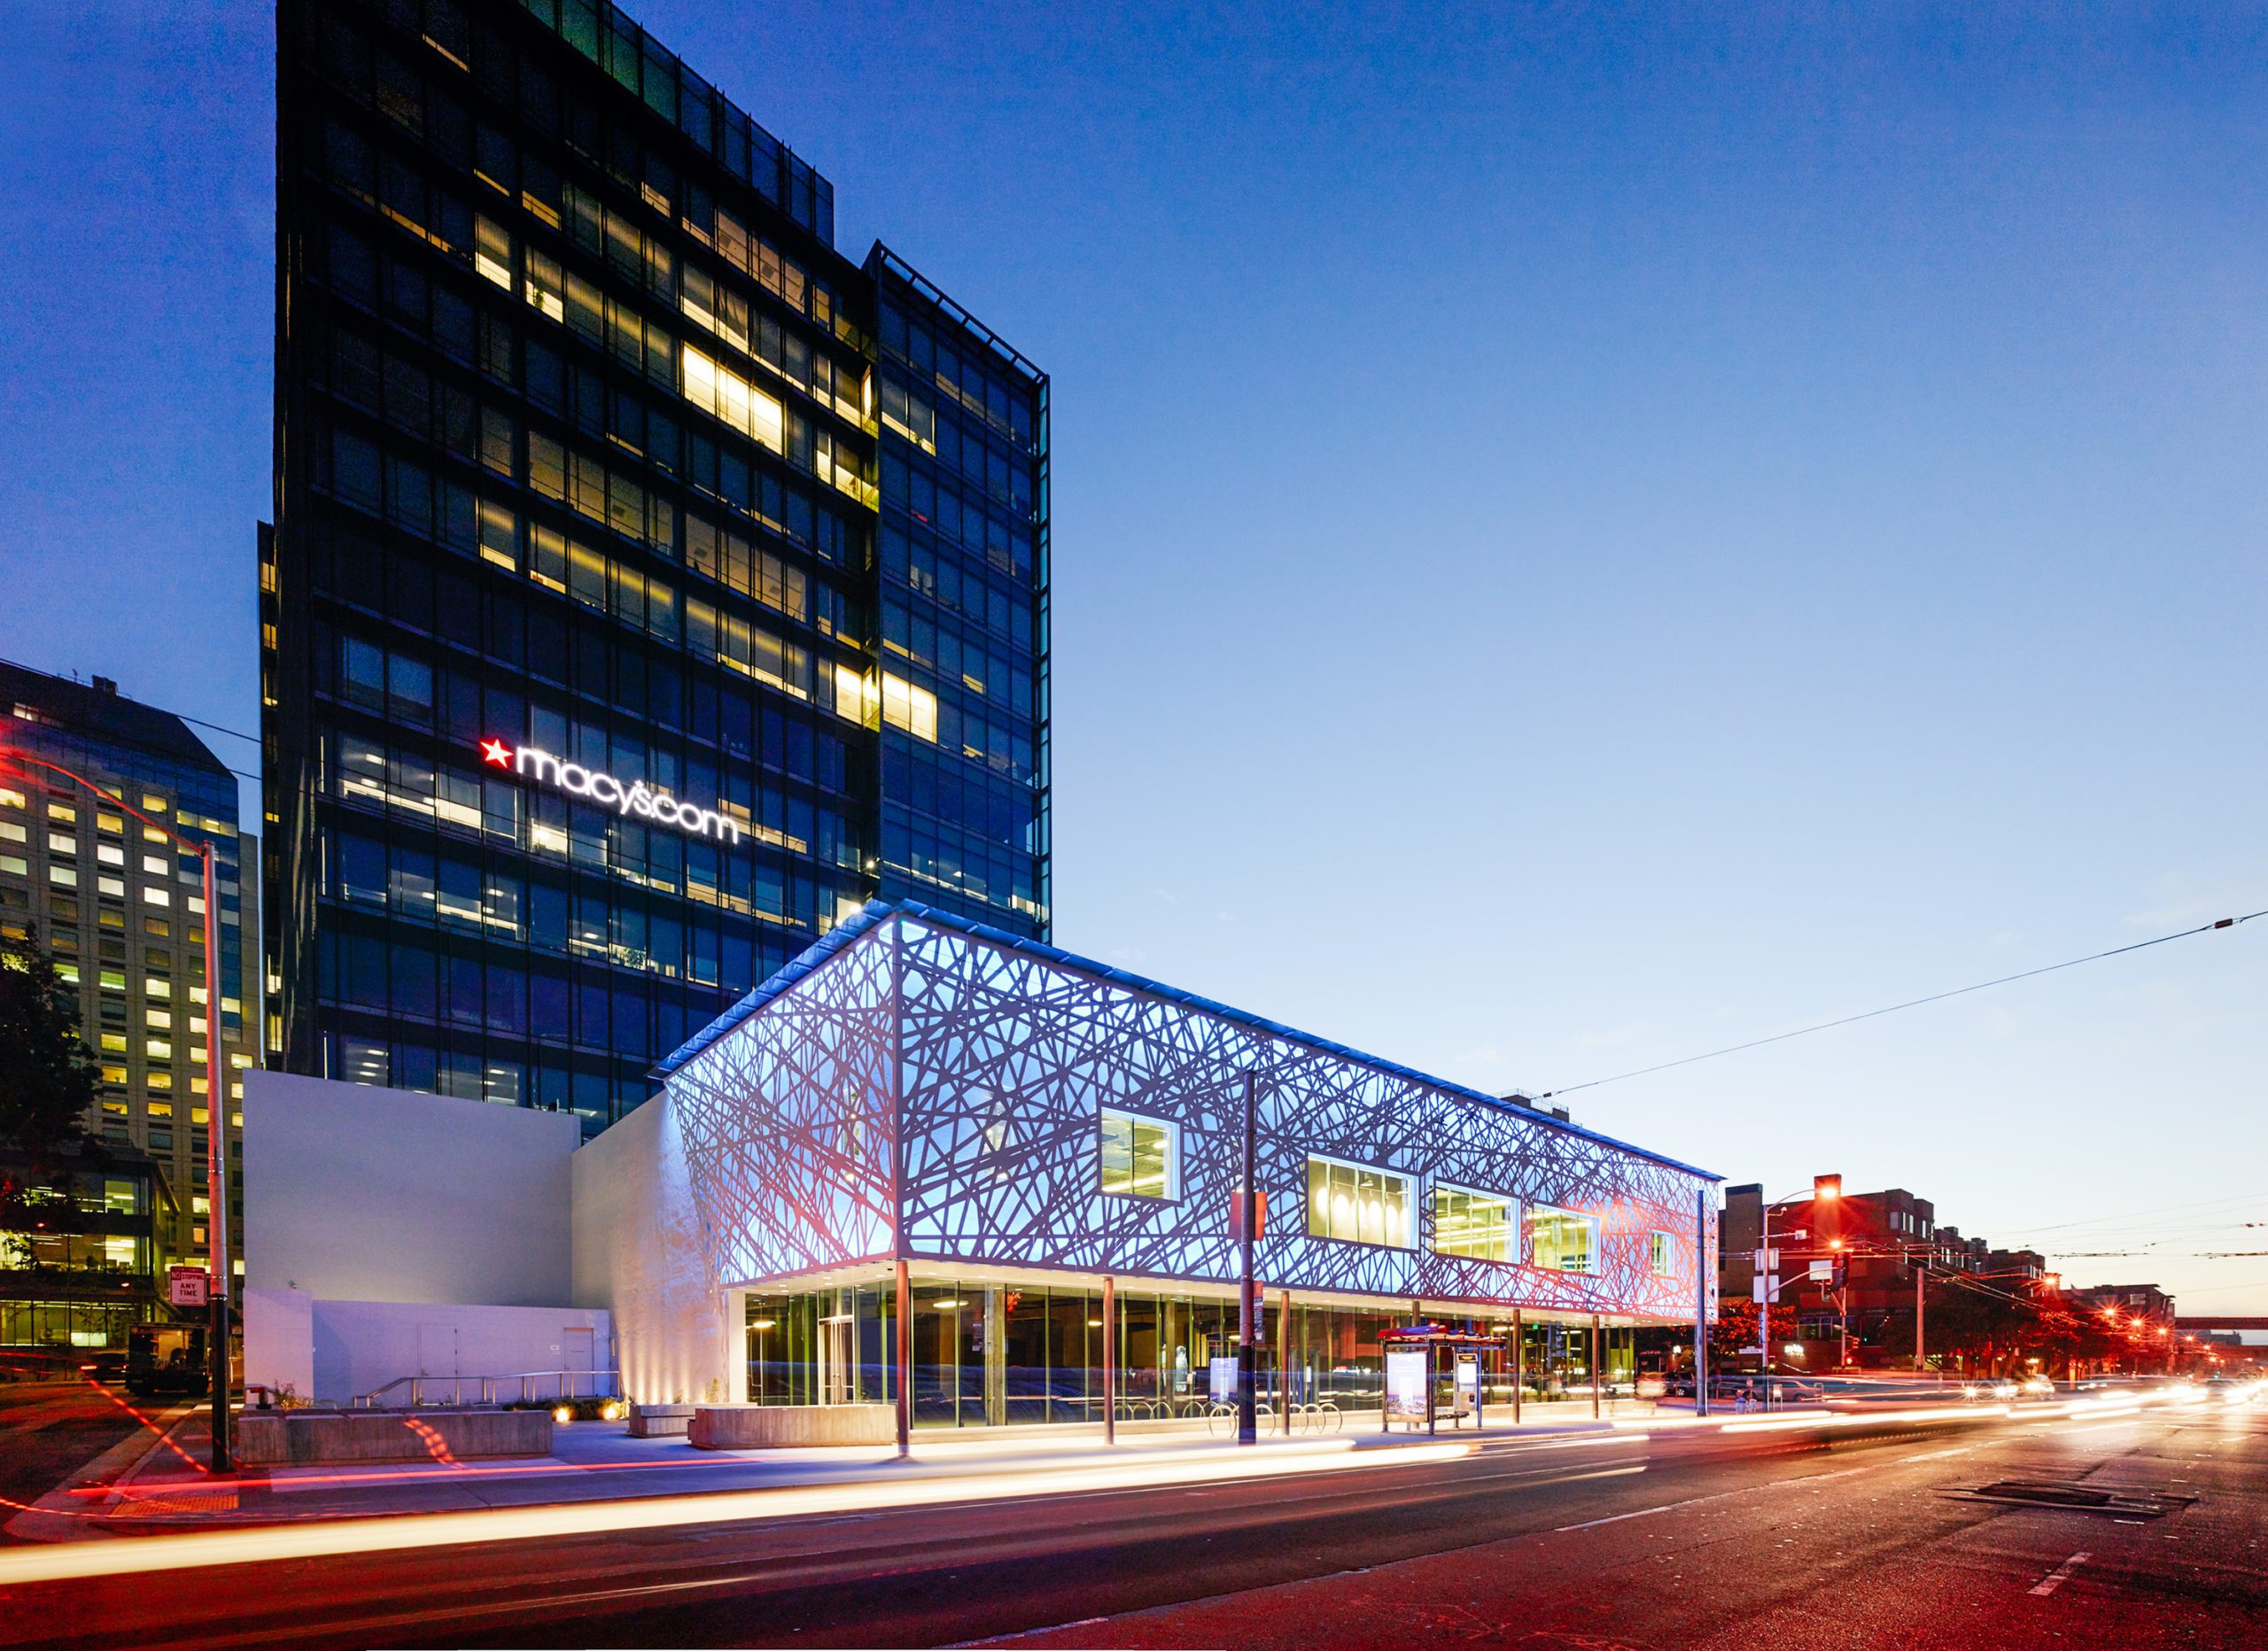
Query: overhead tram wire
(1912,1003)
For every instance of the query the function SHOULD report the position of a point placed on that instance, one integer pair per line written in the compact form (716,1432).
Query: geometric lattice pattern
(789,1127)
(810,1146)
(1008,1059)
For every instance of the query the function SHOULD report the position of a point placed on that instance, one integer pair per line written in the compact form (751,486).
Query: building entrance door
(838,1382)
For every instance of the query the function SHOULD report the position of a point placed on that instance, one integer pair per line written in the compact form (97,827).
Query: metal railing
(496,1390)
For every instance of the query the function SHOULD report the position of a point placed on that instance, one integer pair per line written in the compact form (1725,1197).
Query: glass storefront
(1005,1355)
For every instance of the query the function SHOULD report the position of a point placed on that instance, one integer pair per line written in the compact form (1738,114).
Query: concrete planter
(654,1421)
(758,1427)
(297,1438)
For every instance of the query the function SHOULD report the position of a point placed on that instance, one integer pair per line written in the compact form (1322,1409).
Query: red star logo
(496,753)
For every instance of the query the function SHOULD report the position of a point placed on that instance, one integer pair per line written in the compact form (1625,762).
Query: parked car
(106,1366)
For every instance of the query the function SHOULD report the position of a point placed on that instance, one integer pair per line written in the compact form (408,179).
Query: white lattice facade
(927,1090)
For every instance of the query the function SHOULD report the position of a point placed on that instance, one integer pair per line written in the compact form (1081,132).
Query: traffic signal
(1841,1275)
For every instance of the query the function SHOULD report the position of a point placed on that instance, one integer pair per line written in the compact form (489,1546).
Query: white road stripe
(2056,1578)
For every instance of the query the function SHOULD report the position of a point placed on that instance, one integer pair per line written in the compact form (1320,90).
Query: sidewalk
(165,1487)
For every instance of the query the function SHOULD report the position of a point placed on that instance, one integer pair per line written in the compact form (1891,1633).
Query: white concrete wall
(638,1250)
(354,1193)
(361,1346)
(334,1351)
(280,1340)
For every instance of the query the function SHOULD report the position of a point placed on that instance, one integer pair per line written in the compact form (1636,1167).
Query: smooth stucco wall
(359,1194)
(333,1352)
(638,1252)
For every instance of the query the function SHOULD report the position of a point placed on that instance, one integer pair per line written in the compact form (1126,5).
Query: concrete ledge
(756,1427)
(292,1438)
(654,1421)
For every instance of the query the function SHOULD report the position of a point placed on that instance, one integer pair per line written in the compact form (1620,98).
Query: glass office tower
(650,584)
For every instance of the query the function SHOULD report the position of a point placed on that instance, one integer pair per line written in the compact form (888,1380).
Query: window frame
(1515,1223)
(1414,1191)
(1527,1238)
(1661,1253)
(1172,1193)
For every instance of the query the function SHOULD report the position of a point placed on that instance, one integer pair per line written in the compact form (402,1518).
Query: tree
(48,1076)
(1736,1329)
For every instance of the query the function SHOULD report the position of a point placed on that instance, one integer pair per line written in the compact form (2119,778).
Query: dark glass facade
(650,584)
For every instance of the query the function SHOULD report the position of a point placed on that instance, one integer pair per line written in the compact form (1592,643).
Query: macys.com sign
(637,799)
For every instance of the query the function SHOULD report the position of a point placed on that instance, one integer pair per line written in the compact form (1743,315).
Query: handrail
(603,1385)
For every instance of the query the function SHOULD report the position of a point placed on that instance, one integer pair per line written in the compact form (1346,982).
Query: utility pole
(1920,1305)
(216,1167)
(1700,1309)
(1249,1331)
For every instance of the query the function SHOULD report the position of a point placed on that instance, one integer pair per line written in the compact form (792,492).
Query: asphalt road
(48,1431)
(1770,1538)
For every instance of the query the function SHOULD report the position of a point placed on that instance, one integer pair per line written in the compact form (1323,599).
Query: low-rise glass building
(931,1146)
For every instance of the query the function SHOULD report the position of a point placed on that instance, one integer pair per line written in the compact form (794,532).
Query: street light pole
(1920,1306)
(216,1105)
(1248,1329)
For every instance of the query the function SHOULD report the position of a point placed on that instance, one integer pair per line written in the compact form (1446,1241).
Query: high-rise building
(650,584)
(122,911)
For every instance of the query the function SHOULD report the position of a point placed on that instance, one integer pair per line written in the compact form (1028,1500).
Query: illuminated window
(1478,1225)
(911,707)
(850,694)
(153,804)
(114,1043)
(1356,1202)
(158,1048)
(1137,1157)
(110,854)
(62,811)
(1561,1241)
(1661,1254)
(161,897)
(739,404)
(12,833)
(10,798)
(156,865)
(59,844)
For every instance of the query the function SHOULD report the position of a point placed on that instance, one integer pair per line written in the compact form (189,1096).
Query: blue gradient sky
(1581,535)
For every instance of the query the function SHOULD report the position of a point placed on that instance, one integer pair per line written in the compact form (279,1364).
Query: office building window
(1478,1225)
(1137,1157)
(1661,1254)
(1358,1204)
(1561,1241)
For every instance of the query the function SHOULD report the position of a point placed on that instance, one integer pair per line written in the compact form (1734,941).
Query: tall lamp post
(216,1102)
(1824,1189)
(1247,1213)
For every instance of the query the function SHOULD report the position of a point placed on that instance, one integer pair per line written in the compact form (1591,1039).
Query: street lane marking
(1635,1513)
(2056,1578)
(1931,1455)
(1717,1496)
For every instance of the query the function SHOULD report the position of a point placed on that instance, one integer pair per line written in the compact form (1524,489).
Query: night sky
(1581,535)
